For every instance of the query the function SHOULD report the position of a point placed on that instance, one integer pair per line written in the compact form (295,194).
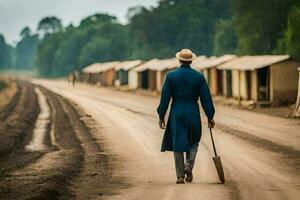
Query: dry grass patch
(7,92)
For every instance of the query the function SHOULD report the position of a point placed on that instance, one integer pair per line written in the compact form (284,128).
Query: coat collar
(185,65)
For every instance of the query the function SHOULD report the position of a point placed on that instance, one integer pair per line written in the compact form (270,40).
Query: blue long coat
(184,86)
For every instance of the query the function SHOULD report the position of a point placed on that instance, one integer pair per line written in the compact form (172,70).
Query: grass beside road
(20,73)
(8,90)
(3,85)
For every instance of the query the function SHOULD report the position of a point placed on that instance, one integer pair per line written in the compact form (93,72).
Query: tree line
(208,27)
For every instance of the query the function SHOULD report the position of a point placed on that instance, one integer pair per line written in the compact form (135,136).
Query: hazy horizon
(30,12)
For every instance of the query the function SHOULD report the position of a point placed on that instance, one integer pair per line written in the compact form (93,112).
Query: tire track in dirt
(95,179)
(288,151)
(73,167)
(49,176)
(17,123)
(16,129)
(42,126)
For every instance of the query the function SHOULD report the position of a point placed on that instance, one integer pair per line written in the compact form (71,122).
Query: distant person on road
(72,78)
(183,131)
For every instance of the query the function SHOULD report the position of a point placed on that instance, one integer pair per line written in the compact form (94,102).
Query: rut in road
(73,167)
(49,176)
(95,178)
(288,151)
(16,125)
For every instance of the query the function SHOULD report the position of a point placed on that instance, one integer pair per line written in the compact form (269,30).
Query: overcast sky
(16,14)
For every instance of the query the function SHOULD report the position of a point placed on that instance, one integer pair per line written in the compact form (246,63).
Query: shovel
(217,160)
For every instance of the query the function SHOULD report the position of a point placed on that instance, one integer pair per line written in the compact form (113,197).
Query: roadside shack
(122,71)
(88,73)
(160,71)
(107,73)
(142,76)
(209,68)
(266,79)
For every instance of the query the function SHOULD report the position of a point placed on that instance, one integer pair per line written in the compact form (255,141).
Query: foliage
(225,38)
(259,23)
(26,50)
(292,36)
(46,54)
(98,38)
(3,84)
(49,25)
(208,27)
(175,24)
(5,54)
(25,32)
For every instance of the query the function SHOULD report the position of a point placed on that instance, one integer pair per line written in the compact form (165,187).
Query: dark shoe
(180,180)
(189,174)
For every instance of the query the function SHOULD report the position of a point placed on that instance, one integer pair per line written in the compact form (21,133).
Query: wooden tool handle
(213,143)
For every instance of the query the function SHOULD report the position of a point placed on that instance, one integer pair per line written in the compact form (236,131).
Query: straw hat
(185,55)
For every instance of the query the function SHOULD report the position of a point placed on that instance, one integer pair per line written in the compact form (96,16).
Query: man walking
(72,78)
(183,131)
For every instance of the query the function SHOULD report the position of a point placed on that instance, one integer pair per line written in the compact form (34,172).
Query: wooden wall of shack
(297,106)
(280,87)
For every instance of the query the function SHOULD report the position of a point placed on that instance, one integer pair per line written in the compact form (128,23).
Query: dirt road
(47,151)
(260,153)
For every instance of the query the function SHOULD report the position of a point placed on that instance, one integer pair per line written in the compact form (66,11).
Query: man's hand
(162,124)
(211,123)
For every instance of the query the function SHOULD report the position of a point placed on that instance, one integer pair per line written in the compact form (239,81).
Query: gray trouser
(189,160)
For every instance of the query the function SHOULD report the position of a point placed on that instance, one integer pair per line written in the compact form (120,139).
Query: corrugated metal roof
(211,61)
(164,64)
(100,67)
(90,68)
(109,65)
(97,68)
(127,65)
(146,65)
(198,60)
(253,62)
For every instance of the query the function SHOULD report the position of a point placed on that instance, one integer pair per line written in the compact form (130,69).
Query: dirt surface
(72,166)
(260,153)
(17,120)
(284,111)
(7,96)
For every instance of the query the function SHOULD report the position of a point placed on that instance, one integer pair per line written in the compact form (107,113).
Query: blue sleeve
(165,98)
(206,99)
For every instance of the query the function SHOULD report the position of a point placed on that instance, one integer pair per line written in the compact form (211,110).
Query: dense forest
(208,27)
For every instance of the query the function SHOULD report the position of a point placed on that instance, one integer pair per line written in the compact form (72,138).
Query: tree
(106,43)
(175,24)
(98,38)
(25,32)
(292,35)
(259,24)
(95,19)
(46,53)
(225,39)
(5,54)
(26,49)
(49,25)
